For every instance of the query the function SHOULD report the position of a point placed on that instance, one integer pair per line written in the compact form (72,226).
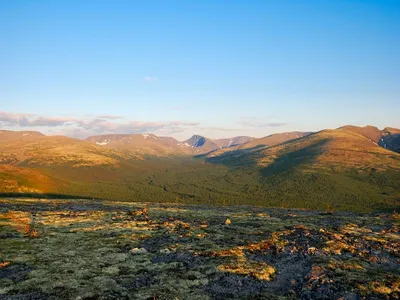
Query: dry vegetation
(24,180)
(56,151)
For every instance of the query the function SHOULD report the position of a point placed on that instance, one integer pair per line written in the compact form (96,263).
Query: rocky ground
(80,249)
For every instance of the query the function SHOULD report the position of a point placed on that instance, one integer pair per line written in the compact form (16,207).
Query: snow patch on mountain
(184,145)
(105,142)
(146,136)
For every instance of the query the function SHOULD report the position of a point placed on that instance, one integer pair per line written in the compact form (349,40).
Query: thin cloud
(179,123)
(50,122)
(259,123)
(14,118)
(150,78)
(110,117)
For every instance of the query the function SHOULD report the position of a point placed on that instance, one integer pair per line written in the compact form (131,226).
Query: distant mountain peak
(196,141)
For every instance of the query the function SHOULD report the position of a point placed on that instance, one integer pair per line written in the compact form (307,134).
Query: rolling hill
(232,142)
(340,149)
(267,141)
(339,164)
(342,169)
(40,150)
(24,157)
(8,135)
(388,138)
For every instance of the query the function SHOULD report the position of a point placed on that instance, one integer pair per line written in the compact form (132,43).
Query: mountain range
(352,168)
(156,145)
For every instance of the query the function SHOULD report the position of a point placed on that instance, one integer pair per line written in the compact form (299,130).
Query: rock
(165,251)
(311,250)
(138,251)
(316,273)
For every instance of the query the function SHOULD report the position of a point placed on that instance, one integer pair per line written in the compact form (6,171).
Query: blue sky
(218,68)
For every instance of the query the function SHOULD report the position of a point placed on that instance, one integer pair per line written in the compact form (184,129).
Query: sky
(217,68)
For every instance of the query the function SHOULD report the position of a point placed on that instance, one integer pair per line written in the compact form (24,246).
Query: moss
(83,249)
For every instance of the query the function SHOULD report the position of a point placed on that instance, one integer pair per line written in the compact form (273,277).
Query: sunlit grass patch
(170,209)
(355,230)
(67,217)
(345,265)
(338,247)
(259,270)
(21,221)
(388,286)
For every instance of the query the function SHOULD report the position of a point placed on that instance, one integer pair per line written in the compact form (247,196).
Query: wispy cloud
(86,126)
(111,117)
(16,118)
(260,123)
(150,78)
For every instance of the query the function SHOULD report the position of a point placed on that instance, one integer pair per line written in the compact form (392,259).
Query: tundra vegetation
(92,249)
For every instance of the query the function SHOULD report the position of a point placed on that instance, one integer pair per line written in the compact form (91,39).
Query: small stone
(312,250)
(138,251)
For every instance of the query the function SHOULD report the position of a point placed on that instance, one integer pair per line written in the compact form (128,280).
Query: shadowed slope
(275,139)
(232,142)
(270,140)
(331,168)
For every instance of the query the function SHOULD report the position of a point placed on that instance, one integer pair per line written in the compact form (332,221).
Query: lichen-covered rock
(138,251)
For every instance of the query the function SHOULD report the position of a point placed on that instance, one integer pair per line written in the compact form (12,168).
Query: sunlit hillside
(58,150)
(332,150)
(338,168)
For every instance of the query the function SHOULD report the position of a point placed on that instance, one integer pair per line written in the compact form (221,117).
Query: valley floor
(81,249)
